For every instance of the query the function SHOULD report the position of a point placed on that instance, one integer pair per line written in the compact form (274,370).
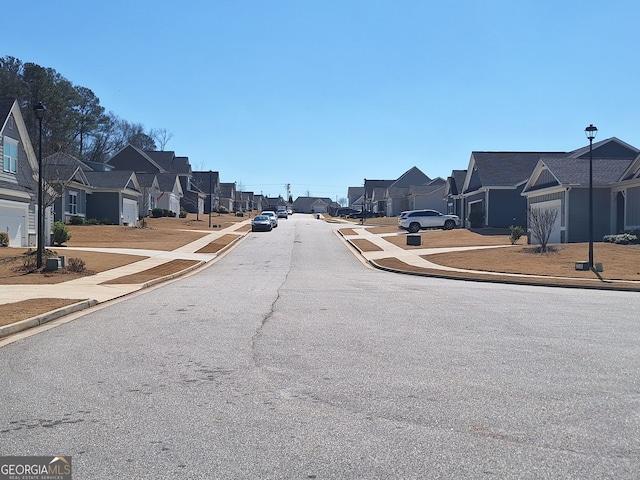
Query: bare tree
(541,222)
(161,137)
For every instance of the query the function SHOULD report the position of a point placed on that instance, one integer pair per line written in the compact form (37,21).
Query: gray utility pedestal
(414,240)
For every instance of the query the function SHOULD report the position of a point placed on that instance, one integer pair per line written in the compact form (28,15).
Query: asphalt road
(288,358)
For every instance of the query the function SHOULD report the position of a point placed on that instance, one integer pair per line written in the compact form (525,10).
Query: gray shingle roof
(575,171)
(115,179)
(507,168)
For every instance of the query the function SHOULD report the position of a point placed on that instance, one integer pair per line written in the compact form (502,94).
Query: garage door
(557,226)
(13,220)
(129,212)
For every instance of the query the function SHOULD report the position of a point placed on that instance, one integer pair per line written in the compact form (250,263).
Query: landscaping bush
(476,219)
(60,233)
(4,239)
(76,265)
(157,212)
(516,233)
(621,239)
(183,213)
(92,221)
(105,221)
(76,220)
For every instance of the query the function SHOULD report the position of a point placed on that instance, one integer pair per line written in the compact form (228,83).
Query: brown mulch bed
(620,262)
(169,268)
(218,244)
(396,264)
(365,245)
(12,261)
(347,231)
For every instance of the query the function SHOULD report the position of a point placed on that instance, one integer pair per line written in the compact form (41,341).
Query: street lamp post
(210,195)
(591,132)
(39,110)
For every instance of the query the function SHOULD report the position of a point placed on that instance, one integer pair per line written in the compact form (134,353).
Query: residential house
(493,185)
(313,204)
(18,180)
(374,199)
(561,183)
(453,193)
(68,186)
(430,196)
(209,183)
(150,188)
(355,197)
(131,158)
(115,197)
(227,198)
(397,194)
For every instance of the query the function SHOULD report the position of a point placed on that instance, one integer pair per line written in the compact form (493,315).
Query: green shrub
(75,265)
(170,213)
(60,233)
(621,238)
(183,213)
(92,221)
(4,239)
(516,233)
(76,220)
(157,212)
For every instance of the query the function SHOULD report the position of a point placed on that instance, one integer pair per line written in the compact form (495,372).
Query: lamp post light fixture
(39,111)
(591,133)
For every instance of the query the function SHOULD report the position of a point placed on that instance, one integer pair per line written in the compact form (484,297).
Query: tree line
(75,122)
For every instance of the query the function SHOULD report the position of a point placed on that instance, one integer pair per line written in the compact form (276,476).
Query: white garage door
(557,226)
(13,220)
(129,212)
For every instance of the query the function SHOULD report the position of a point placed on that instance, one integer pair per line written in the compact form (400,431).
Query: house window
(73,203)
(10,154)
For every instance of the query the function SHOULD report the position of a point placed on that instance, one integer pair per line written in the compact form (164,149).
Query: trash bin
(318,216)
(414,240)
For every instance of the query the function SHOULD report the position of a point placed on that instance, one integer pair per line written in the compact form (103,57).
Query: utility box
(414,240)
(52,264)
(582,265)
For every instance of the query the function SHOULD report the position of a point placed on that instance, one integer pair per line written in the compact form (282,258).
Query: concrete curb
(22,325)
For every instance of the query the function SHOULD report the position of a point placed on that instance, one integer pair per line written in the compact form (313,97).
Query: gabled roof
(119,160)
(502,169)
(608,148)
(203,178)
(26,178)
(413,176)
(62,167)
(455,182)
(227,190)
(116,179)
(164,158)
(575,171)
(369,185)
(302,204)
(148,180)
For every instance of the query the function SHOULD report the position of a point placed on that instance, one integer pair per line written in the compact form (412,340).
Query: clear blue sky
(322,94)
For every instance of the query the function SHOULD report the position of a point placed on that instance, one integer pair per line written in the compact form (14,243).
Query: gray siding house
(562,184)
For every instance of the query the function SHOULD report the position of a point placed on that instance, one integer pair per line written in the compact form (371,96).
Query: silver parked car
(414,220)
(272,215)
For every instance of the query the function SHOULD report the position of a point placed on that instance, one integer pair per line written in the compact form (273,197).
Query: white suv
(414,220)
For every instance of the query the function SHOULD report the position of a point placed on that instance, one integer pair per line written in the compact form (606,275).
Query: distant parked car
(289,211)
(415,220)
(261,223)
(364,214)
(281,212)
(345,212)
(273,216)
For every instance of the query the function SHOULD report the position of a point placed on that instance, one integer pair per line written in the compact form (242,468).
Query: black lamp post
(591,132)
(39,111)
(210,195)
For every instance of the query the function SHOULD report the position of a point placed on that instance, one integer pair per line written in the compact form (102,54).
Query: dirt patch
(621,262)
(396,264)
(14,312)
(218,244)
(169,268)
(450,238)
(347,231)
(13,259)
(365,245)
